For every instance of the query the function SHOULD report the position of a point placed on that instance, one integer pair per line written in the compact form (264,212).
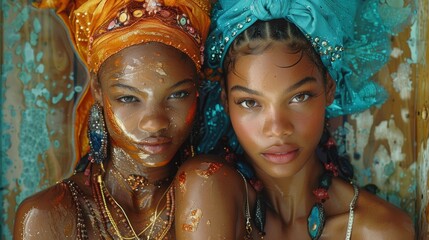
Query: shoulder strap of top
(351,212)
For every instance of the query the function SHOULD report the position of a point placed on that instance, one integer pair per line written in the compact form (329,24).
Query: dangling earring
(97,135)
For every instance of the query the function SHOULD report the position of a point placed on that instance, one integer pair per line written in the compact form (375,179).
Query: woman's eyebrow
(184,81)
(121,85)
(295,86)
(300,83)
(245,89)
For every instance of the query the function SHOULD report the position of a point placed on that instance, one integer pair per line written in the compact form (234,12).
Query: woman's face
(149,97)
(276,101)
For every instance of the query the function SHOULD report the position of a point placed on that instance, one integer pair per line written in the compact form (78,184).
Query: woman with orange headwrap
(132,122)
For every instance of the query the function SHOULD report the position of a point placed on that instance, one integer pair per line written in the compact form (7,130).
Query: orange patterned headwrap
(101,28)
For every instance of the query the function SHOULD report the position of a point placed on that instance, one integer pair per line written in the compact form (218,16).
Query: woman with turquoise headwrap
(283,68)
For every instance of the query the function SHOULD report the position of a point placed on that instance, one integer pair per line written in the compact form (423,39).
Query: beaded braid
(328,155)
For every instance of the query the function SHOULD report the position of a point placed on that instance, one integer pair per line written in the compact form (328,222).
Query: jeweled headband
(101,28)
(352,38)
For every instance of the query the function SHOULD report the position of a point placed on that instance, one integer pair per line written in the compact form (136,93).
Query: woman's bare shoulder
(210,198)
(211,169)
(379,219)
(48,199)
(40,214)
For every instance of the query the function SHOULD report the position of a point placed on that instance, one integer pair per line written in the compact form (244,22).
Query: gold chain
(102,187)
(151,225)
(169,191)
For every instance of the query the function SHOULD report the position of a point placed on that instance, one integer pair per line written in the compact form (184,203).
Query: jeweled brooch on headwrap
(152,6)
(137,10)
(325,49)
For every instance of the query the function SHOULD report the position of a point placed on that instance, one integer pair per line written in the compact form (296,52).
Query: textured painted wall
(41,79)
(38,88)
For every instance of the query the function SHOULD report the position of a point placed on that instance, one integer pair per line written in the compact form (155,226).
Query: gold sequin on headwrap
(101,28)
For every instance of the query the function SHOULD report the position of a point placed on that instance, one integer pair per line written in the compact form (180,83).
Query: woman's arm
(210,200)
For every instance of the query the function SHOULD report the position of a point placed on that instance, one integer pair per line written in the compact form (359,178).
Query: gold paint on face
(148,118)
(208,169)
(160,70)
(192,220)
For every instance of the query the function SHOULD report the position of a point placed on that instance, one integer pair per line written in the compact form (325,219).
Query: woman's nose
(155,120)
(277,123)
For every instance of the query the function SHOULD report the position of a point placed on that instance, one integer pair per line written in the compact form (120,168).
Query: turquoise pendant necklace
(329,156)
(316,219)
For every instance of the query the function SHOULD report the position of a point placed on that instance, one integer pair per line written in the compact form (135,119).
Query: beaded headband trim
(132,13)
(144,10)
(136,11)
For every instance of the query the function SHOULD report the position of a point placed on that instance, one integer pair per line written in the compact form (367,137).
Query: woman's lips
(155,145)
(281,154)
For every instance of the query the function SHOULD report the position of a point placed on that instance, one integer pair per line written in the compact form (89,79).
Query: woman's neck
(292,198)
(134,186)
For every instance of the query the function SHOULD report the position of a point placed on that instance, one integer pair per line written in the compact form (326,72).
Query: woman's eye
(301,97)
(180,94)
(248,104)
(127,99)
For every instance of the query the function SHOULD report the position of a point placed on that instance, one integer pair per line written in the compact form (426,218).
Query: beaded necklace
(77,194)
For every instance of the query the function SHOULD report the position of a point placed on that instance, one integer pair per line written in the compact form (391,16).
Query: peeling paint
(387,130)
(364,121)
(402,81)
(412,43)
(383,167)
(396,52)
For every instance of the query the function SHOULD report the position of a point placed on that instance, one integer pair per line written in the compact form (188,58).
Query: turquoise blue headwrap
(352,38)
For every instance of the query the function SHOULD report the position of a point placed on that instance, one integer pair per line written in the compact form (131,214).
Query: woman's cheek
(118,129)
(189,119)
(244,124)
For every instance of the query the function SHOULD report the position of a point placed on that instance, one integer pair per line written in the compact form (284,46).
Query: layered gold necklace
(104,196)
